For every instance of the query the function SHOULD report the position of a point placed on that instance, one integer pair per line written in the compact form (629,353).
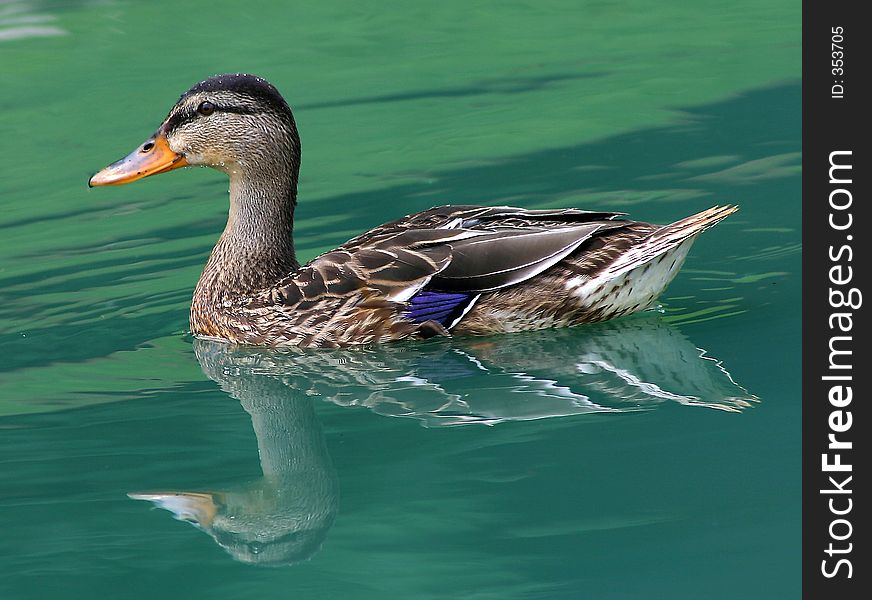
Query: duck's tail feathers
(696,224)
(660,241)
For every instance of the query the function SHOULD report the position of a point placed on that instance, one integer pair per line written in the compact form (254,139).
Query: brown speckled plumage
(519,269)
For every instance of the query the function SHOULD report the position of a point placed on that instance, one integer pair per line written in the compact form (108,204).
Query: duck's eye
(206,108)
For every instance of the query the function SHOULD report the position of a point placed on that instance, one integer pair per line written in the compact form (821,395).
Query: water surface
(652,457)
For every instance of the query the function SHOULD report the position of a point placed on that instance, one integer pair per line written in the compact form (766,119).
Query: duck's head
(235,123)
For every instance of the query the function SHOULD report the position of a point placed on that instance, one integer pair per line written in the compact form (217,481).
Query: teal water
(651,457)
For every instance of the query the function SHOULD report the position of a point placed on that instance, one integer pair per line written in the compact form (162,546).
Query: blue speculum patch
(442,307)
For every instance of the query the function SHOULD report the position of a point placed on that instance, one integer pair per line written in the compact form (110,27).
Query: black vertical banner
(836,333)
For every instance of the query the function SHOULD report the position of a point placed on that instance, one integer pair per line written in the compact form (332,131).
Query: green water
(621,460)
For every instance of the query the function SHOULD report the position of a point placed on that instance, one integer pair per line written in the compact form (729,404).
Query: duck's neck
(256,249)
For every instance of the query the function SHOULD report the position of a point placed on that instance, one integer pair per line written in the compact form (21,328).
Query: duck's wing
(391,268)
(394,280)
(358,295)
(450,249)
(506,256)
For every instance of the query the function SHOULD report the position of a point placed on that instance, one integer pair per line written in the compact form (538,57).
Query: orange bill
(151,158)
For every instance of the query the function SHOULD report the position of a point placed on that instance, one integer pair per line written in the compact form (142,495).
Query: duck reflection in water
(284,517)
(627,365)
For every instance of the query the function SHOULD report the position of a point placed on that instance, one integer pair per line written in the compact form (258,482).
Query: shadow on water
(502,86)
(749,129)
(627,365)
(653,164)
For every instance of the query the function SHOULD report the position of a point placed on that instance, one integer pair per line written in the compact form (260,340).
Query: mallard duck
(458,269)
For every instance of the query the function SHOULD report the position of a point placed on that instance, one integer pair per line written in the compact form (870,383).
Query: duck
(449,270)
